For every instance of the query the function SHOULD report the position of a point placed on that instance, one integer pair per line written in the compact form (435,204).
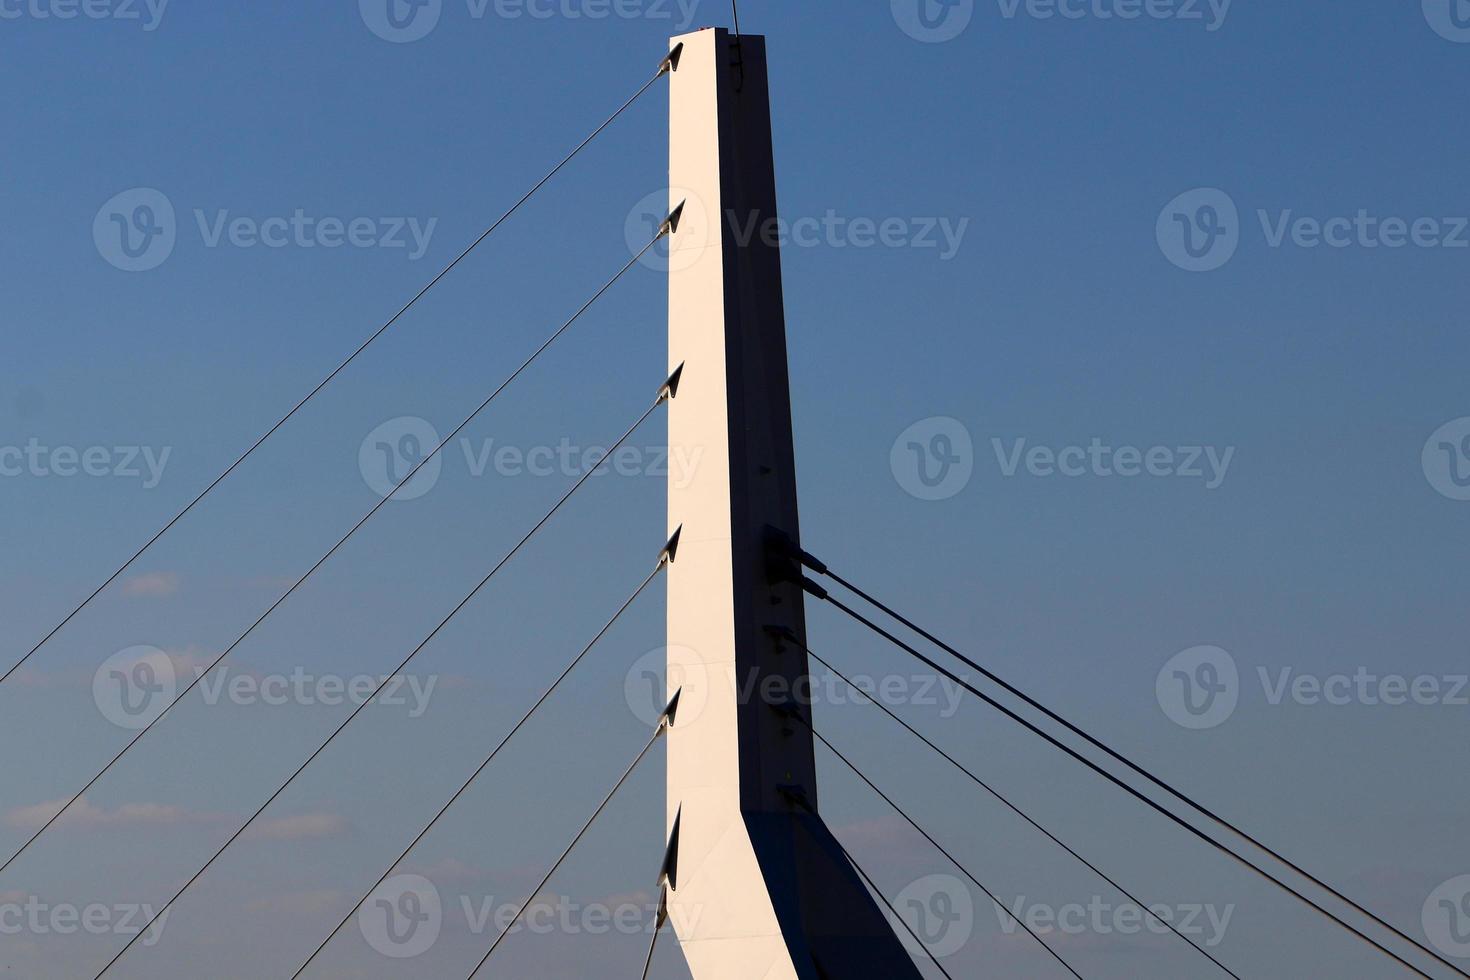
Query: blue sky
(1054,156)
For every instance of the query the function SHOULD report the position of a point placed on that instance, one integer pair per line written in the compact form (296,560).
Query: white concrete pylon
(757,886)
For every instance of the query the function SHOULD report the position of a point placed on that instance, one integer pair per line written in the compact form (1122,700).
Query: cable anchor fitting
(666,720)
(671,223)
(670,390)
(671,63)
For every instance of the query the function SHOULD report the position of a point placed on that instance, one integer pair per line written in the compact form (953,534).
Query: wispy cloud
(85,814)
(885,833)
(300,905)
(154,585)
(306,826)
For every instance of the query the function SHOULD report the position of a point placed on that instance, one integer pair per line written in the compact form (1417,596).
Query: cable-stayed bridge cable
(669,64)
(663,562)
(937,846)
(873,887)
(1147,909)
(821,568)
(658,924)
(663,726)
(335,548)
(816,590)
(369,700)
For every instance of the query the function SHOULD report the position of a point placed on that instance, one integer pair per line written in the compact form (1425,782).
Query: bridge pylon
(757,885)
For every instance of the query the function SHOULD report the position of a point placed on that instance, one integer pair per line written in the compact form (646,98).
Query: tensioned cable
(669,64)
(658,925)
(820,568)
(407,660)
(1147,910)
(668,225)
(663,562)
(663,726)
(821,593)
(801,801)
(937,846)
(873,887)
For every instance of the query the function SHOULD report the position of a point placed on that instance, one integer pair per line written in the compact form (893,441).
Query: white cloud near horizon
(152,585)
